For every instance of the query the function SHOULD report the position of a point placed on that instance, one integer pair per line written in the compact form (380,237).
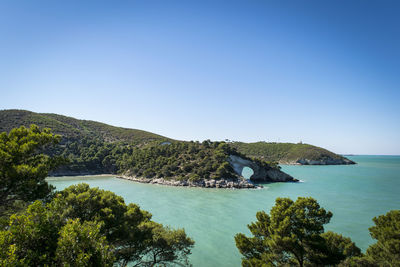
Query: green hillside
(73,129)
(289,153)
(181,160)
(93,147)
(90,147)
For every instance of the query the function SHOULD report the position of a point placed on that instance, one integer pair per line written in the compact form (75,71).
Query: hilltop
(73,129)
(289,153)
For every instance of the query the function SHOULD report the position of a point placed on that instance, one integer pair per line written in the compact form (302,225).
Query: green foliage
(167,247)
(360,261)
(225,170)
(95,148)
(24,166)
(93,204)
(38,238)
(194,177)
(127,228)
(184,160)
(293,235)
(33,234)
(284,152)
(91,147)
(85,226)
(82,245)
(386,251)
(73,129)
(8,255)
(339,248)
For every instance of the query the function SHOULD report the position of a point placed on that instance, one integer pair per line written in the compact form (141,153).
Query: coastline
(306,162)
(83,175)
(211,183)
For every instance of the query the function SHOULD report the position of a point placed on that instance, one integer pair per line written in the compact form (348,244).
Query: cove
(354,193)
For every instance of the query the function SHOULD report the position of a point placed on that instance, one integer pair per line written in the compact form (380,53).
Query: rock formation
(325,161)
(261,173)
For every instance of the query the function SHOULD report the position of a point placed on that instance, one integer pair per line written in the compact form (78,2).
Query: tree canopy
(386,251)
(293,235)
(85,226)
(24,166)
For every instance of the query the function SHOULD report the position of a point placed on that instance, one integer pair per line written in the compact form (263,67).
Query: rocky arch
(247,172)
(261,173)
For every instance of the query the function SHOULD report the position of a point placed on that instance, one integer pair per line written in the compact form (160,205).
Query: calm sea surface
(354,193)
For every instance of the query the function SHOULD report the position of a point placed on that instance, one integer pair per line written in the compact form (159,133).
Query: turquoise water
(354,193)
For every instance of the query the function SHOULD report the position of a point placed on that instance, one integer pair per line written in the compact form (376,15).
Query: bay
(354,193)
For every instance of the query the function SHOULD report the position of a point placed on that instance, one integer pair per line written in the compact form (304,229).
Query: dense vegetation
(94,147)
(181,160)
(284,152)
(72,129)
(386,251)
(90,147)
(157,159)
(83,226)
(91,156)
(79,226)
(293,235)
(23,168)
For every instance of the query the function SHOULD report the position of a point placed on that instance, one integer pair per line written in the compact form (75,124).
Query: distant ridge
(72,128)
(289,153)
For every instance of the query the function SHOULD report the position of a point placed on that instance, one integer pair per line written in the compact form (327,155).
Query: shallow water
(354,193)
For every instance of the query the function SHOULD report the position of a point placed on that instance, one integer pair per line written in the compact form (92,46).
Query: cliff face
(261,173)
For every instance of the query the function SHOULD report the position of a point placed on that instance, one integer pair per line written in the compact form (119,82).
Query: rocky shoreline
(329,161)
(209,183)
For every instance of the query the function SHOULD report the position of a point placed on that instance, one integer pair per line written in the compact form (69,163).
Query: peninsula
(291,154)
(95,148)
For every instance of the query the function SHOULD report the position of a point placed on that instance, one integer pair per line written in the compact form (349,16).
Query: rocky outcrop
(261,173)
(208,183)
(326,161)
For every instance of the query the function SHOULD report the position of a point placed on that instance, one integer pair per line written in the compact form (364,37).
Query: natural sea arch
(261,173)
(247,172)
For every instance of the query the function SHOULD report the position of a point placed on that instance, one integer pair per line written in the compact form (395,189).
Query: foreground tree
(128,228)
(167,247)
(338,248)
(85,226)
(39,238)
(23,166)
(293,235)
(386,251)
(83,245)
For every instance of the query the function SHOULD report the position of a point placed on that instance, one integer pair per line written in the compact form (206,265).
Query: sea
(355,194)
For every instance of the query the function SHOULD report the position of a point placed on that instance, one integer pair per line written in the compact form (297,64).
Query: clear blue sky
(324,72)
